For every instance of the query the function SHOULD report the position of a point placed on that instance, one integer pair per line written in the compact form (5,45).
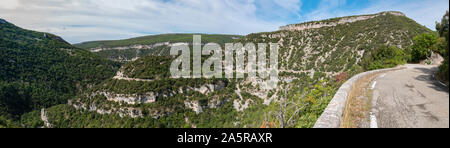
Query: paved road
(410,98)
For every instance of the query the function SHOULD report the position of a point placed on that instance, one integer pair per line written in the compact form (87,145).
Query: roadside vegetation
(358,104)
(435,42)
(385,57)
(442,46)
(423,45)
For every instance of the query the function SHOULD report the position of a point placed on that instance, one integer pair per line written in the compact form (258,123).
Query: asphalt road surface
(409,98)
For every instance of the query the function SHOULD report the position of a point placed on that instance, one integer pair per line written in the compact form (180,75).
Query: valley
(46,82)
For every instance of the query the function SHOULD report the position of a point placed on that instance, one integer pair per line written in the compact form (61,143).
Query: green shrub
(443,72)
(442,45)
(422,47)
(384,57)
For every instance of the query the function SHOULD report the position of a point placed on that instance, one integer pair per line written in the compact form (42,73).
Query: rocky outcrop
(120,76)
(343,20)
(44,118)
(208,88)
(132,112)
(259,87)
(216,102)
(198,108)
(137,46)
(122,111)
(149,97)
(273,36)
(434,59)
(204,89)
(194,105)
(239,106)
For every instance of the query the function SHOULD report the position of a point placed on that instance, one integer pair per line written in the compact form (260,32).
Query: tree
(423,45)
(287,113)
(443,26)
(442,46)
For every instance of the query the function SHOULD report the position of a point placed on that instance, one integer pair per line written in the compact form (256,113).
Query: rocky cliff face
(44,118)
(336,21)
(131,99)
(194,105)
(151,97)
(121,111)
(136,46)
(128,104)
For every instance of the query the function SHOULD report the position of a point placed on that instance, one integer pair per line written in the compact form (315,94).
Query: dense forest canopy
(39,70)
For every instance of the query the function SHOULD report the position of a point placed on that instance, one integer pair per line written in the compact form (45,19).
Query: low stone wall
(332,115)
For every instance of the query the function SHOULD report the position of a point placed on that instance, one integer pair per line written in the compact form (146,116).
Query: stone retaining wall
(332,115)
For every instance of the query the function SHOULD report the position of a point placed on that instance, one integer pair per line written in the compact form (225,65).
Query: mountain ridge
(334,21)
(133,48)
(150,39)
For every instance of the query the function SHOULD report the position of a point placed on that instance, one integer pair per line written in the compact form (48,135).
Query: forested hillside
(39,70)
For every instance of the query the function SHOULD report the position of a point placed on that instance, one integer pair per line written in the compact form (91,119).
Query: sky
(86,20)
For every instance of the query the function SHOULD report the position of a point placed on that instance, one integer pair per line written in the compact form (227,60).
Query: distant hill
(129,49)
(39,70)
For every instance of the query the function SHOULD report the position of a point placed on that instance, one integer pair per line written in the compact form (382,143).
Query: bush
(341,77)
(384,57)
(422,47)
(442,46)
(443,72)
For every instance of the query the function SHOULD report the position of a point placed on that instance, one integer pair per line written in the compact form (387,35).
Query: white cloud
(326,9)
(83,20)
(425,12)
(291,5)
(9,4)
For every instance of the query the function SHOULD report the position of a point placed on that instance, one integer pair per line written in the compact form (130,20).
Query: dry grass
(358,102)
